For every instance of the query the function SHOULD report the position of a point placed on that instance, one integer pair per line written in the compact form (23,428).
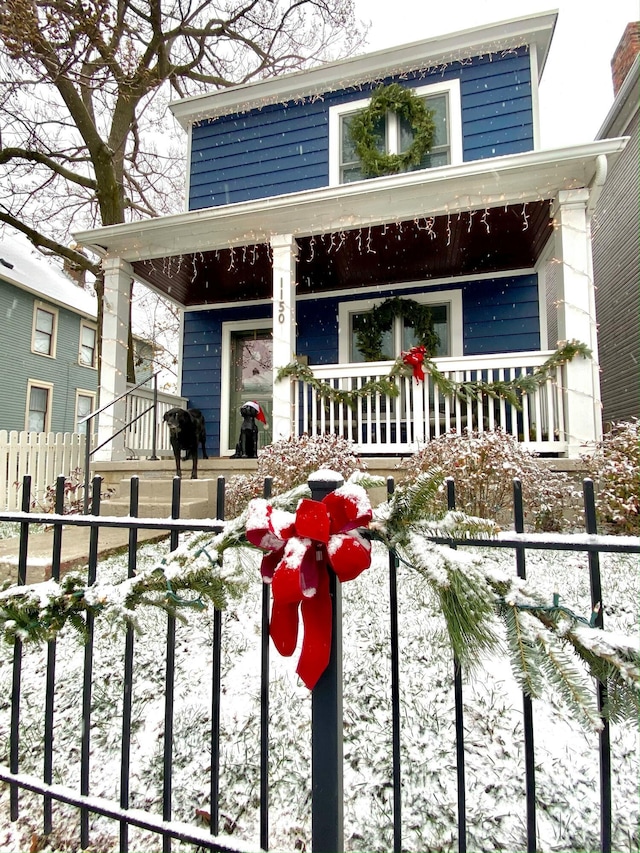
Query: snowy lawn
(567,782)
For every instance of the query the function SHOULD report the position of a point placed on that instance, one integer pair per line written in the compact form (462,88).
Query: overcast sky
(576,90)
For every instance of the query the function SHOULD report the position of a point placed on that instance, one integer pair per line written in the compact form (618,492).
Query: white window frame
(94,329)
(48,387)
(81,392)
(450,87)
(225,369)
(452,298)
(49,309)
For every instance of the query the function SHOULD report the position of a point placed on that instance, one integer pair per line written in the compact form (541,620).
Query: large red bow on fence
(415,359)
(298,548)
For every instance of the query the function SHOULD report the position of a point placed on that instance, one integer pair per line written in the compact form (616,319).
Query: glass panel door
(251,379)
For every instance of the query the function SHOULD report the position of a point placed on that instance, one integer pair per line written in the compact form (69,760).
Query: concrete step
(197,498)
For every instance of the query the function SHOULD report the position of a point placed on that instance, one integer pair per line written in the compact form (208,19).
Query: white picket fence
(42,455)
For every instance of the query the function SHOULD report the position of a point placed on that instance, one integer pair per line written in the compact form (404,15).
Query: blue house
(294,248)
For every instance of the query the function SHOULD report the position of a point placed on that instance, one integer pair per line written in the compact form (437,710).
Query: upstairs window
(394,135)
(45,321)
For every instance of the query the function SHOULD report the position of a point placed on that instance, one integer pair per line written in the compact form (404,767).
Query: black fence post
(264,701)
(591,527)
(527,706)
(327,809)
(395,691)
(459,709)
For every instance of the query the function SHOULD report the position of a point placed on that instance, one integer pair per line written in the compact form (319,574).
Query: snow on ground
(567,782)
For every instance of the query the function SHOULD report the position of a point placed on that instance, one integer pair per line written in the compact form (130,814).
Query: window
(45,321)
(85,404)
(87,345)
(446,310)
(394,135)
(38,406)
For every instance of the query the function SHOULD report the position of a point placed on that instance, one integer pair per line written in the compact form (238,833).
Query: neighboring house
(616,243)
(48,343)
(286,249)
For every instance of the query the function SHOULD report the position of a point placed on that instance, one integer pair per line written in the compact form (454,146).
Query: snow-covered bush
(289,463)
(483,467)
(615,469)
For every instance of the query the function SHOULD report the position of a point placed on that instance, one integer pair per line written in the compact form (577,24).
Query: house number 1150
(281,304)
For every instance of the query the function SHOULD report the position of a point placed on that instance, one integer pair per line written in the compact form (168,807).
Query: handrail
(89,452)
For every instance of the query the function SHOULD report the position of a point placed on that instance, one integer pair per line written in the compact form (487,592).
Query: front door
(251,378)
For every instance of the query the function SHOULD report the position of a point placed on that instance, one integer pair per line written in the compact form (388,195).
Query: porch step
(197,498)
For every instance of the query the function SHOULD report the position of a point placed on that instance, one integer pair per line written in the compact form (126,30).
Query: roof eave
(534,30)
(516,178)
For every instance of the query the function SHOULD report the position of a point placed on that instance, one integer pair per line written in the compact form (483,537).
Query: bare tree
(84,88)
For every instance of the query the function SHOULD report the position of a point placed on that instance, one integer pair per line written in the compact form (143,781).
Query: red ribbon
(415,359)
(298,548)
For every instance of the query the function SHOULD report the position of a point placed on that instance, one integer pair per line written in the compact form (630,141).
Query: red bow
(298,548)
(415,359)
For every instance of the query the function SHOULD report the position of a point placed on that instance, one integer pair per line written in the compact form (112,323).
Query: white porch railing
(42,455)
(138,436)
(420,413)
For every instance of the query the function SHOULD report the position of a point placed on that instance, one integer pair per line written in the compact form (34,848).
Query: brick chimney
(625,54)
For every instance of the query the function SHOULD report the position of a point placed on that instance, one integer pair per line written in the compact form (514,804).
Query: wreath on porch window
(380,320)
(407,105)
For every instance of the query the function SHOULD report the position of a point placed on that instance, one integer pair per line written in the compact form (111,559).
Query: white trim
(440,297)
(228,328)
(187,171)
(535,99)
(48,387)
(448,87)
(38,305)
(475,185)
(541,269)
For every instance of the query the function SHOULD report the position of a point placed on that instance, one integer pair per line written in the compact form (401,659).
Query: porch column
(113,379)
(577,319)
(285,251)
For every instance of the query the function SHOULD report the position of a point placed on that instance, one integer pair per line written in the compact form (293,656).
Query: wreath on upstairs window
(374,324)
(407,105)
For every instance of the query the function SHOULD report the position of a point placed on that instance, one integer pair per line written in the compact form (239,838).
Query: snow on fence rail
(43,455)
(327,729)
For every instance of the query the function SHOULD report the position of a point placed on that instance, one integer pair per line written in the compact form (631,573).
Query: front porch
(288,265)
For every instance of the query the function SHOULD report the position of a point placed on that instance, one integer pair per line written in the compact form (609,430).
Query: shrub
(483,467)
(289,463)
(615,470)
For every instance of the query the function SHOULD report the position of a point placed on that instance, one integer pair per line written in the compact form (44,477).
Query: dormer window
(394,134)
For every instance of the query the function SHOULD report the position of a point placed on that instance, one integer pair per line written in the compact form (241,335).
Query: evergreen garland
(511,391)
(406,104)
(544,640)
(380,320)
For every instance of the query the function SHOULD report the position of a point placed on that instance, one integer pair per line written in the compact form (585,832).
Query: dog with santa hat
(247,446)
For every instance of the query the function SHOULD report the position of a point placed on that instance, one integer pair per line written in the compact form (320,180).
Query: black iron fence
(327,711)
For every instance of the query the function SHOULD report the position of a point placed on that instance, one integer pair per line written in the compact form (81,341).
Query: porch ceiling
(474,242)
(189,258)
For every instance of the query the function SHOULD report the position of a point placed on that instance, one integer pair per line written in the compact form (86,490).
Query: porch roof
(178,244)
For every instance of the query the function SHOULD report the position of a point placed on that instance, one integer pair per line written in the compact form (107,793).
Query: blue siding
(498,315)
(284,148)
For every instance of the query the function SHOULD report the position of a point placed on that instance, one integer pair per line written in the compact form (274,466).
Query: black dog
(186,431)
(247,446)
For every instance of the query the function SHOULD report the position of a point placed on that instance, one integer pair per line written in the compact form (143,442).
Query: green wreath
(403,102)
(380,320)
